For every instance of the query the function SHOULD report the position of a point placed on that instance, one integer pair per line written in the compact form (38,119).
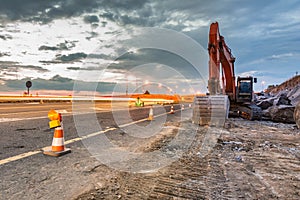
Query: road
(17,111)
(244,160)
(28,174)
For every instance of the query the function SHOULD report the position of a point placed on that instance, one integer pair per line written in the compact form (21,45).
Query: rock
(266,103)
(282,99)
(294,95)
(282,113)
(266,113)
(297,114)
(239,158)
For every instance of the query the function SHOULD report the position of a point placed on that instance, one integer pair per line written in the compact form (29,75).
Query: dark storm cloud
(55,83)
(92,34)
(9,66)
(142,17)
(73,68)
(123,12)
(71,57)
(5,37)
(84,69)
(4,54)
(101,56)
(91,19)
(67,45)
(47,10)
(129,61)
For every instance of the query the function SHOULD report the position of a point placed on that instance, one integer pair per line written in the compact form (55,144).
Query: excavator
(227,96)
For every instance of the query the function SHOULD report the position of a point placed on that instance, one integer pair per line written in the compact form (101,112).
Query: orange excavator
(226,95)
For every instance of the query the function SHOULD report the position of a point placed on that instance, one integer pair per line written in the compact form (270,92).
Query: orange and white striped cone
(58,144)
(172,110)
(150,114)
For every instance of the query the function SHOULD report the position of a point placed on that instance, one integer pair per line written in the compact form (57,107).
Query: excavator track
(210,110)
(247,111)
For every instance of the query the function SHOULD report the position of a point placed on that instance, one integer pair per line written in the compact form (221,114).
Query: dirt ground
(246,160)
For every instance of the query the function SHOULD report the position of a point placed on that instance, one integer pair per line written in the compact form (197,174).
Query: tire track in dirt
(252,160)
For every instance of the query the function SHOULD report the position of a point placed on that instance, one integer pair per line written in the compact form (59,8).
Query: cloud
(84,68)
(5,37)
(248,73)
(130,60)
(71,57)
(92,34)
(2,54)
(10,70)
(274,58)
(46,11)
(67,45)
(56,83)
(91,19)
(15,67)
(280,56)
(74,68)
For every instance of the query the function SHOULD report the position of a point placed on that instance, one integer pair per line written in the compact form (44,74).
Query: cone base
(48,151)
(150,118)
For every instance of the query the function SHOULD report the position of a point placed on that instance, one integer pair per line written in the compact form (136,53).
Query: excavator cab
(244,90)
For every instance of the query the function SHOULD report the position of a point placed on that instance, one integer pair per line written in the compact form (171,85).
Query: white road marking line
(28,106)
(18,157)
(30,153)
(23,112)
(62,111)
(18,119)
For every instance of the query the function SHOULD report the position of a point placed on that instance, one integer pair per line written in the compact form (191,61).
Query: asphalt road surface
(15,111)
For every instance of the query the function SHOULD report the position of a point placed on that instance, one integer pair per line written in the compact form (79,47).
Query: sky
(132,46)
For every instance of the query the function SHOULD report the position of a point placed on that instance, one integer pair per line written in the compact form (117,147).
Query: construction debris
(297,115)
(280,106)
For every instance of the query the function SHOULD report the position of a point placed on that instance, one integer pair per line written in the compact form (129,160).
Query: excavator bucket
(211,110)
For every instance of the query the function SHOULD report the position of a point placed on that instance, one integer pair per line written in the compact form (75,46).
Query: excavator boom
(220,58)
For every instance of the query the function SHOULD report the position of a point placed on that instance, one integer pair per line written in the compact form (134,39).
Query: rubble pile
(280,107)
(297,114)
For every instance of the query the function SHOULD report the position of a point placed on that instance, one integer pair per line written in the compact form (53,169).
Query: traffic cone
(172,110)
(58,140)
(150,114)
(58,146)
